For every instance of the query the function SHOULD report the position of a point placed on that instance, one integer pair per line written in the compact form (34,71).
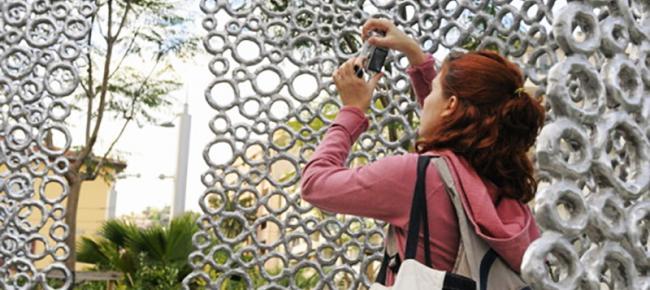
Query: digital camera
(375,56)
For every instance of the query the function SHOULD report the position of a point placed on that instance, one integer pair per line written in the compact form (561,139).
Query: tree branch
(108,151)
(102,98)
(90,91)
(137,94)
(105,83)
(101,32)
(123,20)
(126,53)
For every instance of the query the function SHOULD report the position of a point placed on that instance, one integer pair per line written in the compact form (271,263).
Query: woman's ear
(450,106)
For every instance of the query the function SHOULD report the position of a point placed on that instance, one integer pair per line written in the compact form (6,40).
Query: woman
(475,114)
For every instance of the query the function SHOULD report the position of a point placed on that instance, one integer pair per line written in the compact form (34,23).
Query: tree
(147,257)
(144,31)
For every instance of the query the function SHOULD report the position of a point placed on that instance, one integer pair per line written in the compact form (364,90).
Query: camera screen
(377,59)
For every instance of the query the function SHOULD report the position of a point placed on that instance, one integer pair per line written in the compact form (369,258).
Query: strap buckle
(394,263)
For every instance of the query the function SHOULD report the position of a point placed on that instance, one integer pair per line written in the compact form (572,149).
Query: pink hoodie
(383,190)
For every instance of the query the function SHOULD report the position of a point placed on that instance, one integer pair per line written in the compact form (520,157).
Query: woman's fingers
(380,41)
(375,80)
(358,61)
(341,70)
(349,69)
(336,77)
(358,66)
(374,23)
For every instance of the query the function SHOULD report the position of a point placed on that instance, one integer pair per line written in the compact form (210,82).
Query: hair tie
(519,91)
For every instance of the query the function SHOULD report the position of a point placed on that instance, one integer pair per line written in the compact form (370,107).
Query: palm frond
(117,231)
(89,251)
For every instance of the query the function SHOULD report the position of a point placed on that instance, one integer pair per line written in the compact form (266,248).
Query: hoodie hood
(508,227)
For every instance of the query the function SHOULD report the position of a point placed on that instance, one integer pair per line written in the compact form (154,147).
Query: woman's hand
(354,91)
(394,39)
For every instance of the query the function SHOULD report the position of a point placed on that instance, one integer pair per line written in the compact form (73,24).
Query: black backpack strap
(392,262)
(381,277)
(419,213)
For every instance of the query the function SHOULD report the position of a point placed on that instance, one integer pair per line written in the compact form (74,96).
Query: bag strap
(381,277)
(418,213)
(467,236)
(478,253)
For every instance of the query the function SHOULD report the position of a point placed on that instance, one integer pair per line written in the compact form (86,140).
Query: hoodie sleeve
(421,77)
(379,190)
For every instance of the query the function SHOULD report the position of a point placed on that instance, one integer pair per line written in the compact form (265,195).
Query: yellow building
(96,205)
(95,201)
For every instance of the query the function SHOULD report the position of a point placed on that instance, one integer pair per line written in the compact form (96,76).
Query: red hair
(494,124)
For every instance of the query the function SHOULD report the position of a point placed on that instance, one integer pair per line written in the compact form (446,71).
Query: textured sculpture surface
(274,98)
(41,51)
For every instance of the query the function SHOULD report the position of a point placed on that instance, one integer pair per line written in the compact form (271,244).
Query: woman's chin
(420,134)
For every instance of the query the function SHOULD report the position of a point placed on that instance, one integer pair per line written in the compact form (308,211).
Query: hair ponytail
(517,116)
(521,117)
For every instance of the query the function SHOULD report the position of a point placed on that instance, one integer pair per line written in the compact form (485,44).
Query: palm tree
(110,251)
(123,247)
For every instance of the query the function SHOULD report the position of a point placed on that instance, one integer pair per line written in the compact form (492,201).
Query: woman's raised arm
(381,190)
(422,76)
